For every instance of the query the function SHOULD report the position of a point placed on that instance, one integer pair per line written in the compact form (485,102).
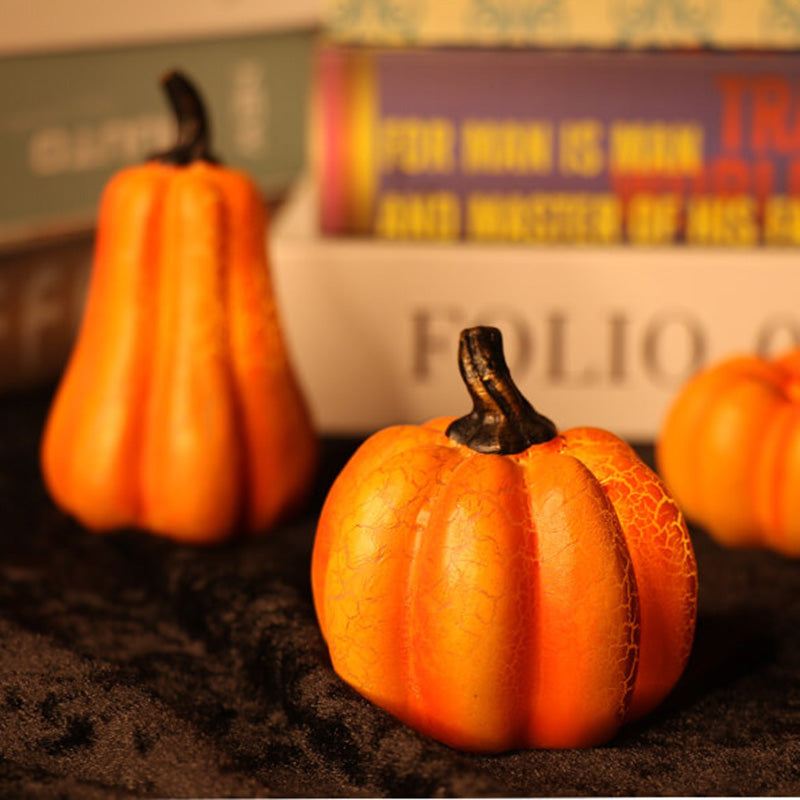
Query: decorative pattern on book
(694,19)
(725,24)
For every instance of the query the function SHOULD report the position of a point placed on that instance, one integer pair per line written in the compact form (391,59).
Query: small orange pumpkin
(729,449)
(179,412)
(497,584)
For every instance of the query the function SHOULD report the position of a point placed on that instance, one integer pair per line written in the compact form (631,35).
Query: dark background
(134,667)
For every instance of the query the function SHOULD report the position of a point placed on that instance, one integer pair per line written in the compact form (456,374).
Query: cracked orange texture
(178,411)
(730,451)
(496,602)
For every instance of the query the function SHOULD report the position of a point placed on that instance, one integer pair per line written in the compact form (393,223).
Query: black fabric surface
(133,667)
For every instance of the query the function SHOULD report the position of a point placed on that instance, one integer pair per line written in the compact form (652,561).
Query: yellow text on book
(506,147)
(418,216)
(416,145)
(782,220)
(655,148)
(713,220)
(543,217)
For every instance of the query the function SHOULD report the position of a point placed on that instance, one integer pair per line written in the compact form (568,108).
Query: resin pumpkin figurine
(729,449)
(178,411)
(497,584)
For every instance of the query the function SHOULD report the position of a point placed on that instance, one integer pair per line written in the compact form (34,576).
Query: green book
(68,121)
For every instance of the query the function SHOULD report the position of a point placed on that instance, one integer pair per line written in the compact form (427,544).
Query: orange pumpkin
(497,584)
(178,411)
(729,449)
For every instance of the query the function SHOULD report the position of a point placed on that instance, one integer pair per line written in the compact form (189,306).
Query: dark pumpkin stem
(193,135)
(502,420)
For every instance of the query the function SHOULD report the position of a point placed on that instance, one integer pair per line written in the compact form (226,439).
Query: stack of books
(616,185)
(80,84)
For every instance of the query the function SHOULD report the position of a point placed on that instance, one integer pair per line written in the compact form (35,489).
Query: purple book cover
(589,147)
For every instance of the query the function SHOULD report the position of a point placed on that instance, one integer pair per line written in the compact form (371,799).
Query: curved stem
(193,135)
(502,420)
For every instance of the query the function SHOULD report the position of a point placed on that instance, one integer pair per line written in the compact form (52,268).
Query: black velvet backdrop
(132,667)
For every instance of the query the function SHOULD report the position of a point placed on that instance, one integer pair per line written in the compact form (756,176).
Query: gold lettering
(413,145)
(581,148)
(433,216)
(722,220)
(544,217)
(782,220)
(653,219)
(656,148)
(506,147)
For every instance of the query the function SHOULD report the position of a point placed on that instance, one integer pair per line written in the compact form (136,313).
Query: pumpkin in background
(729,449)
(497,584)
(178,411)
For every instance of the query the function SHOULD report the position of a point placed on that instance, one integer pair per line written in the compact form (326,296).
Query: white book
(600,336)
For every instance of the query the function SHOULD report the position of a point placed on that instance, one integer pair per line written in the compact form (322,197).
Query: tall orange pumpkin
(497,584)
(729,449)
(178,411)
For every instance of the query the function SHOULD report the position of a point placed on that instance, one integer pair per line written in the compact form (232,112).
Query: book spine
(344,122)
(69,121)
(529,146)
(730,24)
(42,293)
